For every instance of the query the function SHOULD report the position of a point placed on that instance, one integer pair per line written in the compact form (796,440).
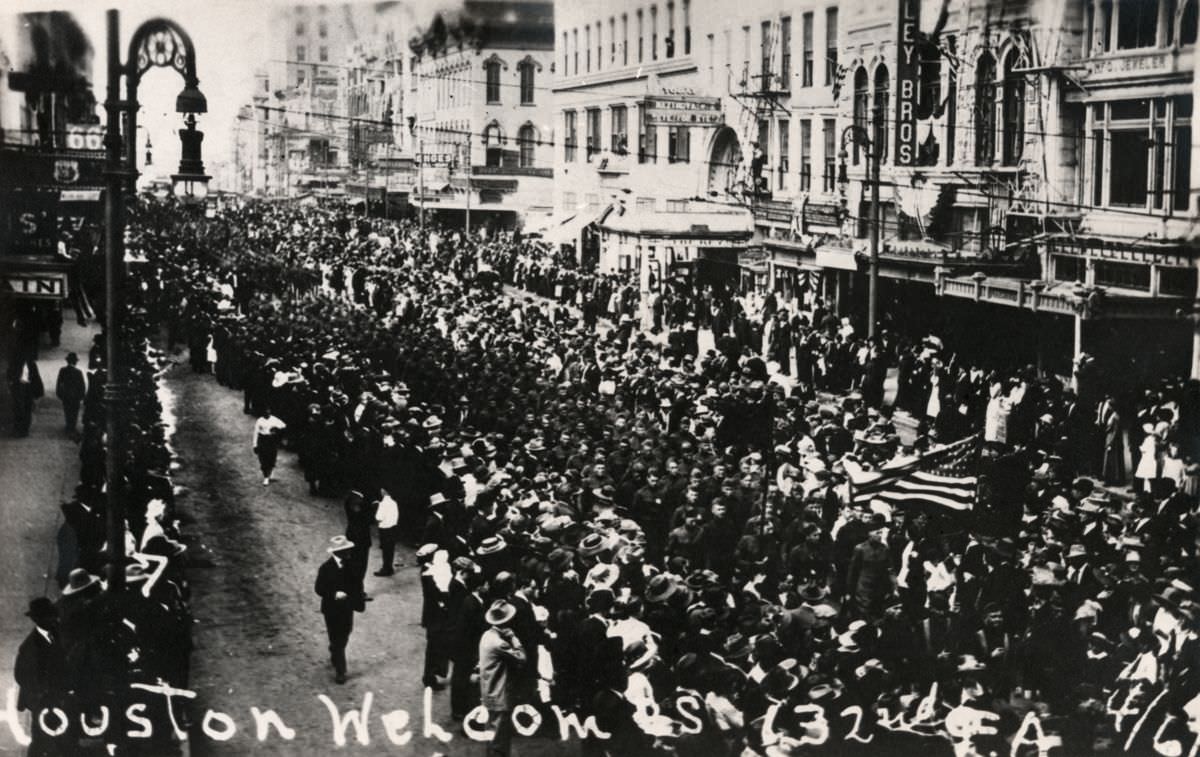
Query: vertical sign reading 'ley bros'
(907,72)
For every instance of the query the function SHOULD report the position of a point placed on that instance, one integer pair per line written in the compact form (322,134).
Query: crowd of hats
(696,508)
(143,633)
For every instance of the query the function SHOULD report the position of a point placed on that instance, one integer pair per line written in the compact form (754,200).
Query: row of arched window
(493,144)
(493,90)
(998,110)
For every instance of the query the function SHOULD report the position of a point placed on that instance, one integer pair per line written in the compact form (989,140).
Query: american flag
(943,477)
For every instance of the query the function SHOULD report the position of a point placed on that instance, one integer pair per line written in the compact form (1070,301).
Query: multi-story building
(302,142)
(374,82)
(481,101)
(637,118)
(1036,170)
(1035,163)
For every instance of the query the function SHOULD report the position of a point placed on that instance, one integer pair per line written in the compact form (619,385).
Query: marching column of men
(661,526)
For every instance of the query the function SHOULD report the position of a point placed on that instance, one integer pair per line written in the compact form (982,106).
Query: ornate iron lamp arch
(160,42)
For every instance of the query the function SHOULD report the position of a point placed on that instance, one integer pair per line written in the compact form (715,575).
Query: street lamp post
(156,43)
(861,136)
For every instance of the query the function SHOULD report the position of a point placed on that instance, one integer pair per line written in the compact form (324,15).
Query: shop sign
(821,215)
(1151,63)
(85,137)
(676,111)
(28,221)
(42,286)
(58,169)
(838,259)
(907,72)
(754,257)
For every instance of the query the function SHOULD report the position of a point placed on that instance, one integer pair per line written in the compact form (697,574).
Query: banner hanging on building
(907,72)
(683,111)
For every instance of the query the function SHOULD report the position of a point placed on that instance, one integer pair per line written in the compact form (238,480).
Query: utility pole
(467,170)
(421,182)
(875,155)
(115,175)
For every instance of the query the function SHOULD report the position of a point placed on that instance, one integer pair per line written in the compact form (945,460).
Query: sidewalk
(37,473)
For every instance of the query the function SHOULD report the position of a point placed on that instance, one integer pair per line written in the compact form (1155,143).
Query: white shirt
(387,515)
(267,427)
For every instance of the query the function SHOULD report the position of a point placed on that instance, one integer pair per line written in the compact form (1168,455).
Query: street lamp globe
(189,188)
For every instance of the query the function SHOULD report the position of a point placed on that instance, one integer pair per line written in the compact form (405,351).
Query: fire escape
(760,98)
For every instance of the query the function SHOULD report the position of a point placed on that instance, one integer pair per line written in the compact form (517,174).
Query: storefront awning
(566,227)
(701,220)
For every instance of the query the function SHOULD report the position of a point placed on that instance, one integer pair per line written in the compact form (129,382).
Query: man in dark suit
(341,592)
(468,628)
(70,390)
(25,383)
(39,672)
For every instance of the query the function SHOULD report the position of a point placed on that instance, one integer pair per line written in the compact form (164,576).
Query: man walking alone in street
(501,658)
(267,430)
(40,672)
(341,596)
(70,390)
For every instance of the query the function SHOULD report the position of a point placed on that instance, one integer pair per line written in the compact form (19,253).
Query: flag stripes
(936,478)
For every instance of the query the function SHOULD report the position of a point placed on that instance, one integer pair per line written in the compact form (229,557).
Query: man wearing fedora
(40,672)
(70,389)
(501,658)
(341,594)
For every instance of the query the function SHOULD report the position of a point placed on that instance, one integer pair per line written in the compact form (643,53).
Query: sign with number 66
(85,137)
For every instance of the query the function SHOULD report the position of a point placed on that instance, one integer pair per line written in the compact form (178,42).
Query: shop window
(1137,24)
(1123,275)
(1177,282)
(985,110)
(1069,268)
(1014,110)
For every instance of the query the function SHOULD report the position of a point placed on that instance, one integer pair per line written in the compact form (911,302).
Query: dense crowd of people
(90,649)
(661,536)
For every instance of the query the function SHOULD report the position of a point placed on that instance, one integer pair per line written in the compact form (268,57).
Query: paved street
(260,641)
(36,474)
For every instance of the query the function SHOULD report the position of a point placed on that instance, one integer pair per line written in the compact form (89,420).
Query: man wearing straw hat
(501,657)
(341,595)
